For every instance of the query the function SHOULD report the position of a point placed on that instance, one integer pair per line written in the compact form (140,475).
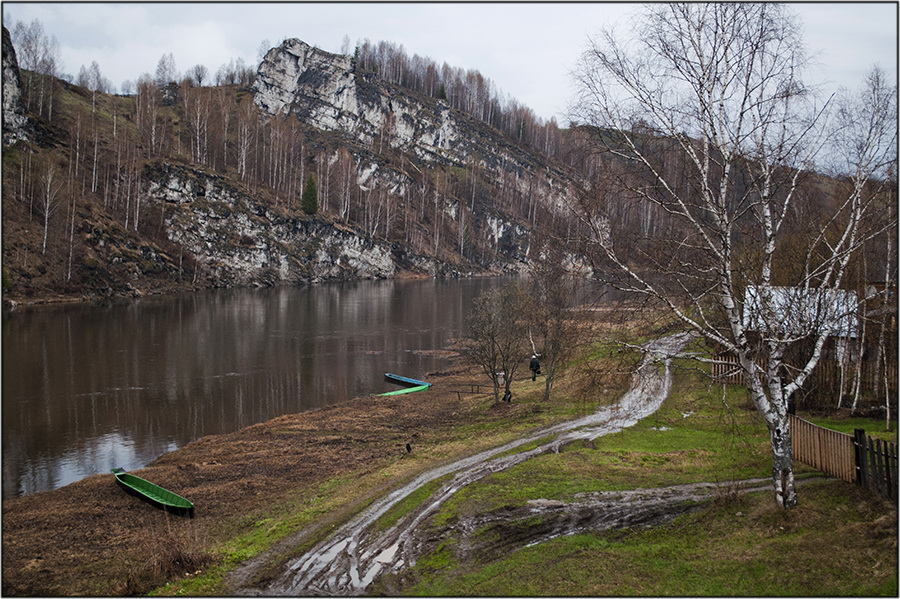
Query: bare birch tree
(50,186)
(734,133)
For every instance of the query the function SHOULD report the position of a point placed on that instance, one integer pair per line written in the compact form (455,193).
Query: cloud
(526,49)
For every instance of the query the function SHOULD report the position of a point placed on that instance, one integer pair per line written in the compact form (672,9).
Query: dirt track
(350,559)
(91,538)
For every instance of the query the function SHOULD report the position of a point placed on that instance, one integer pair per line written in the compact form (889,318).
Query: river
(89,387)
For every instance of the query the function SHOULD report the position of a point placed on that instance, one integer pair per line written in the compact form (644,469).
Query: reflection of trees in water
(119,385)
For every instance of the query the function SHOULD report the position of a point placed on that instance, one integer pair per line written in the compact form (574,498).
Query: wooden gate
(876,464)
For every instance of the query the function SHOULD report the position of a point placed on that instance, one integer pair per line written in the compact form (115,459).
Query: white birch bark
(734,132)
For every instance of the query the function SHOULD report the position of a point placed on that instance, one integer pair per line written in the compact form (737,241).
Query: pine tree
(309,200)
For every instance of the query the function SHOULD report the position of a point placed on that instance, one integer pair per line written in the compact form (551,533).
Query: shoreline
(13,301)
(236,480)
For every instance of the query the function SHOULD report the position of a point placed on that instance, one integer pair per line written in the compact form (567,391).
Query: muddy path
(488,536)
(348,561)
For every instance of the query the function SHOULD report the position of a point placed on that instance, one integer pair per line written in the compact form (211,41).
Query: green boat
(408,390)
(413,385)
(154,494)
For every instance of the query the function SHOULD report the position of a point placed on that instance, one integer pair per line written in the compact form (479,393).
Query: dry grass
(106,542)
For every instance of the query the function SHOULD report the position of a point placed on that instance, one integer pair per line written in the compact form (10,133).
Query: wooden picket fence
(867,462)
(829,451)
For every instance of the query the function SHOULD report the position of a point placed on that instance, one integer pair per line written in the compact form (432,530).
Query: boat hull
(153,494)
(402,380)
(407,390)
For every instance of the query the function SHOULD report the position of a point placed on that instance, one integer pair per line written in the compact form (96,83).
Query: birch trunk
(705,121)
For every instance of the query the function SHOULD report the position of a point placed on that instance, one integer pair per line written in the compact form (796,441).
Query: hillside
(186,187)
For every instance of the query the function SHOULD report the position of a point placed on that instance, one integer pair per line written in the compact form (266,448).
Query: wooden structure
(830,451)
(857,458)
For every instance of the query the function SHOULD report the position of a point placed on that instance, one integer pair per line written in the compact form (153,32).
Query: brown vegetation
(91,538)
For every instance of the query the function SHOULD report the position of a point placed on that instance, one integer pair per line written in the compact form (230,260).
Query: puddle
(350,560)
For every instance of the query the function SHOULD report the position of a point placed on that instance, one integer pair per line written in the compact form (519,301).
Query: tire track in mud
(351,558)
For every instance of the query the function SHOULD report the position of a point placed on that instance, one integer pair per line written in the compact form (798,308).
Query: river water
(89,387)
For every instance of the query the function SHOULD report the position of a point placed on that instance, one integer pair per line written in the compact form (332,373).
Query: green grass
(307,507)
(873,427)
(409,503)
(743,547)
(690,439)
(839,541)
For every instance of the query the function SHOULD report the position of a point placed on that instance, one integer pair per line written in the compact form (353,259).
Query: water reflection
(90,387)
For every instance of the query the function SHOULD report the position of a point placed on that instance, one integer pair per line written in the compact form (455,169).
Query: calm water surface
(90,387)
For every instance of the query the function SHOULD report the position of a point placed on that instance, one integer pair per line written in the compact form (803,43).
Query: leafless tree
(197,110)
(551,326)
(499,332)
(38,57)
(147,107)
(51,183)
(734,135)
(198,74)
(166,72)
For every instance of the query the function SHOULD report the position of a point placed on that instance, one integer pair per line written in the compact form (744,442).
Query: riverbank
(15,300)
(268,493)
(258,483)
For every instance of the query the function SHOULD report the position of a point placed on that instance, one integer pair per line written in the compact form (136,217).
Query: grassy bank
(269,492)
(279,531)
(839,541)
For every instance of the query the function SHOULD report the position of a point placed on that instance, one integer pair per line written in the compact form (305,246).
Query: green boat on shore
(407,390)
(412,385)
(154,494)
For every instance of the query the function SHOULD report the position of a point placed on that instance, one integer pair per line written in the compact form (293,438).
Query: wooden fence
(827,380)
(727,369)
(829,451)
(867,462)
(876,464)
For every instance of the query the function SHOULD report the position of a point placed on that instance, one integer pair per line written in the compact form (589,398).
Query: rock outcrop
(327,92)
(238,241)
(15,123)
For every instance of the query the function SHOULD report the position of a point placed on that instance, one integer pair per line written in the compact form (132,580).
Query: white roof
(798,311)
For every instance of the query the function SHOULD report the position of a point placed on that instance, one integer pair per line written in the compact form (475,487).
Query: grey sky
(527,49)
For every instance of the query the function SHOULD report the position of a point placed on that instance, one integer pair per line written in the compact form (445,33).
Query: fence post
(859,446)
(891,451)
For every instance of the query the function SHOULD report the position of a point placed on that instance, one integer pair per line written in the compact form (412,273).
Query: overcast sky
(528,50)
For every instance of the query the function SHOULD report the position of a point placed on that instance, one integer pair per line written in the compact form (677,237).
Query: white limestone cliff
(325,91)
(15,123)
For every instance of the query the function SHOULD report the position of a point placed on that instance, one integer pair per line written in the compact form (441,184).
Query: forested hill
(317,167)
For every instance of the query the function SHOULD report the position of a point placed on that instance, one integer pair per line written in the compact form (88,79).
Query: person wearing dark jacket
(535,366)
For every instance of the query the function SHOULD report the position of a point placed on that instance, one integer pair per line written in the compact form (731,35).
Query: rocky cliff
(15,123)
(327,92)
(238,241)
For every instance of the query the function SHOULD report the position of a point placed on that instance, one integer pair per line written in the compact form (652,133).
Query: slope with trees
(83,220)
